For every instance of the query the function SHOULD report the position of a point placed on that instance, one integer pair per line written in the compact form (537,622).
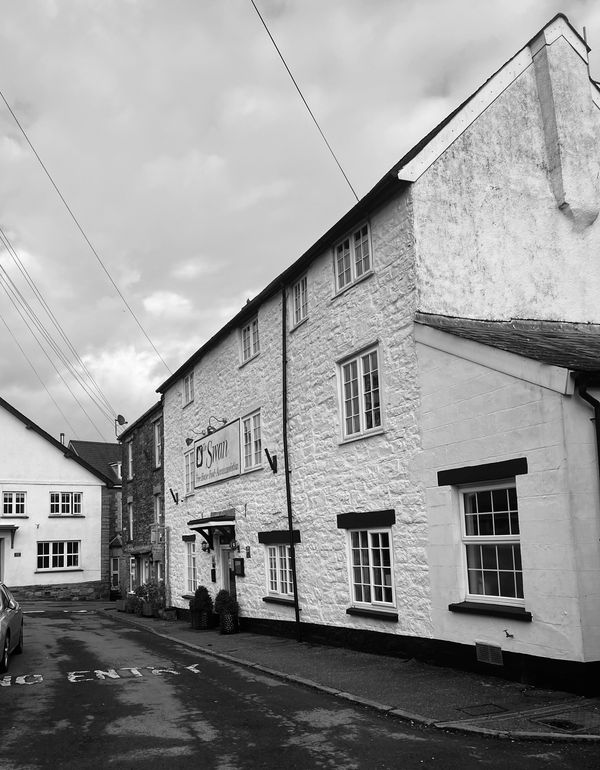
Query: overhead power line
(83,233)
(35,371)
(339,165)
(40,298)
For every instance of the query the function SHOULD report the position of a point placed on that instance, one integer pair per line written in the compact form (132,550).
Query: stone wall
(73,591)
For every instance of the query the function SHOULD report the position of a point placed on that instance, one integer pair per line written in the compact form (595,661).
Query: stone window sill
(390,616)
(66,516)
(279,600)
(58,569)
(494,610)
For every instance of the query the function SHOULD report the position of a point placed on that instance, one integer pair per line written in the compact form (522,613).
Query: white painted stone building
(54,517)
(374,451)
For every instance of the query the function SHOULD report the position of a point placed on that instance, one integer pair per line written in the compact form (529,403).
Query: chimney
(560,60)
(62,439)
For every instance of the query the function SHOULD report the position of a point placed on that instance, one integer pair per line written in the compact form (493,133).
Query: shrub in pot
(228,611)
(201,607)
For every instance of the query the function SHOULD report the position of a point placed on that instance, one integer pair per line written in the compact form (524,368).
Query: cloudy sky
(175,136)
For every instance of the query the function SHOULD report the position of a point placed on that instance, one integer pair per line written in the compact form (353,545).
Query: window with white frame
(491,539)
(352,258)
(250,340)
(188,472)
(65,503)
(188,388)
(192,572)
(371,572)
(157,443)
(279,571)
(158,510)
(360,386)
(129,446)
(300,299)
(58,554)
(252,441)
(130,520)
(13,504)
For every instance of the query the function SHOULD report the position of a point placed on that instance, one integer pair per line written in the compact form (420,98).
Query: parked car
(11,627)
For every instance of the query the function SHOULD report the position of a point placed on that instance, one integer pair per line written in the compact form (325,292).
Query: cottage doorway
(224,567)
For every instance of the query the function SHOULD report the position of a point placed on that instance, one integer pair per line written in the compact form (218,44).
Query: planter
(228,623)
(120,605)
(168,613)
(147,609)
(200,619)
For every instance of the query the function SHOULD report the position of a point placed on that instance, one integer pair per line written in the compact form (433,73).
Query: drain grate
(483,710)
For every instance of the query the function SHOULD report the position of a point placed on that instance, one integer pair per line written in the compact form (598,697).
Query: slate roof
(572,346)
(98,454)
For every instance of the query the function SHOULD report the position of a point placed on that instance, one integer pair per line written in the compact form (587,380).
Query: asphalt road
(90,693)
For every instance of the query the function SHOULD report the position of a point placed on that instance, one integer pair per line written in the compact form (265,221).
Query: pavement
(410,690)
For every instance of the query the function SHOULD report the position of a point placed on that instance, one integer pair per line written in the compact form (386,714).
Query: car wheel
(19,647)
(4,659)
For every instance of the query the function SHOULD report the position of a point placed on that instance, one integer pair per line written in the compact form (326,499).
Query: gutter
(286,458)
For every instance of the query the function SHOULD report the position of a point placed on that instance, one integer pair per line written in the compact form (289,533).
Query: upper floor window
(491,540)
(130,520)
(352,258)
(250,341)
(361,406)
(300,298)
(188,388)
(157,443)
(252,442)
(13,504)
(188,471)
(158,510)
(129,450)
(65,503)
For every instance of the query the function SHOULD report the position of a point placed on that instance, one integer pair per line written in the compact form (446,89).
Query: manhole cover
(566,725)
(483,710)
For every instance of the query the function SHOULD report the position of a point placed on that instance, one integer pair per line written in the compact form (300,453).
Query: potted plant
(153,599)
(228,611)
(201,607)
(120,604)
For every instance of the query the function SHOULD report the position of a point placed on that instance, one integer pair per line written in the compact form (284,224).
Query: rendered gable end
(505,216)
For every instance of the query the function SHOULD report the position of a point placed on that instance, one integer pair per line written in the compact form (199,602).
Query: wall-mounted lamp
(205,547)
(210,428)
(234,545)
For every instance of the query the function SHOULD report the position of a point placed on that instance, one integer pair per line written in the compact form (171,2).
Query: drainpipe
(583,381)
(286,457)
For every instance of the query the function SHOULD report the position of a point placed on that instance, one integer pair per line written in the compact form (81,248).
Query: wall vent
(489,653)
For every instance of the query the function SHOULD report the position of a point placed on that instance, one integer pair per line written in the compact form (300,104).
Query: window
(188,468)
(158,510)
(65,503)
(300,297)
(129,459)
(14,504)
(371,567)
(192,574)
(279,575)
(252,441)
(157,443)
(58,554)
(361,407)
(188,388)
(492,545)
(130,520)
(352,258)
(250,341)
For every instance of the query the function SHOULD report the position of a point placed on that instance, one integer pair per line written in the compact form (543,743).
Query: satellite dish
(121,420)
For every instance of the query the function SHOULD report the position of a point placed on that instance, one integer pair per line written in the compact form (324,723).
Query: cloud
(167,304)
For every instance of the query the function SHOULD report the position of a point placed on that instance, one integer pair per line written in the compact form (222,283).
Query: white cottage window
(352,258)
(360,394)
(371,573)
(491,541)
